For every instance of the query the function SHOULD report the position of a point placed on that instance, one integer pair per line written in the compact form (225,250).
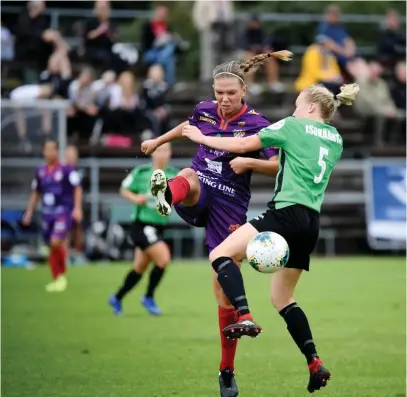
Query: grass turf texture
(70,344)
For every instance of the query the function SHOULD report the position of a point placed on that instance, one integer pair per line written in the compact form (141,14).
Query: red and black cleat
(245,326)
(318,375)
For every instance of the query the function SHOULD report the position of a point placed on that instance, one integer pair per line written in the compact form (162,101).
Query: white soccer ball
(267,252)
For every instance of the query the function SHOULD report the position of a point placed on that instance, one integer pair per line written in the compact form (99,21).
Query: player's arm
(75,181)
(32,203)
(234,145)
(267,167)
(172,135)
(128,189)
(151,145)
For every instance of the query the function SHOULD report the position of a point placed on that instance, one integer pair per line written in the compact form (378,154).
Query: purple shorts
(219,217)
(56,226)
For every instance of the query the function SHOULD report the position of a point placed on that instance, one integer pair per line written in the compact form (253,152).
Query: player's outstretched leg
(282,289)
(231,280)
(168,192)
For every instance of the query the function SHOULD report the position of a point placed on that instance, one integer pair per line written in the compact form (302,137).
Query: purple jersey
(56,187)
(211,165)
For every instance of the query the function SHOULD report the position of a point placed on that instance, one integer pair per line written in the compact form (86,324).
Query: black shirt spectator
(99,36)
(392,42)
(31,45)
(254,37)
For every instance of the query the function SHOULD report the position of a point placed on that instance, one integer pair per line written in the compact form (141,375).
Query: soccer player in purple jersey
(215,191)
(59,188)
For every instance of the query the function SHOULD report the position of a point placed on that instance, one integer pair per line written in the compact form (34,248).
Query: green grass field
(70,344)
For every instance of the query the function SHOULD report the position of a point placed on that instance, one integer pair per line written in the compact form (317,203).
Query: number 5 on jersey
(322,152)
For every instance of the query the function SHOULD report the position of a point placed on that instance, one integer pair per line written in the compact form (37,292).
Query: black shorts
(299,226)
(145,234)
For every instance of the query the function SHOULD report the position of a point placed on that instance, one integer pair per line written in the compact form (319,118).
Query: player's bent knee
(56,243)
(189,174)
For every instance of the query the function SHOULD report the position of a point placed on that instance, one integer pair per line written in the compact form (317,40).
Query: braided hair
(241,68)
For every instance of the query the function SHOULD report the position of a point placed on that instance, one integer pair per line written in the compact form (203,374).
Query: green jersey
(138,181)
(309,151)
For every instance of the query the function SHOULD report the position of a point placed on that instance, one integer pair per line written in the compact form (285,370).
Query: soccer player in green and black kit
(146,231)
(309,150)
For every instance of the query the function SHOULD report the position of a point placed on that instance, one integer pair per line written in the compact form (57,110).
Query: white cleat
(158,186)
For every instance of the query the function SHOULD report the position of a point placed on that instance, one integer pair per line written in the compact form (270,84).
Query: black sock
(130,281)
(299,329)
(231,280)
(155,278)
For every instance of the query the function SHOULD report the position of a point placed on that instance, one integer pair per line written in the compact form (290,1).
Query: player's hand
(77,215)
(26,218)
(149,146)
(141,199)
(193,133)
(239,165)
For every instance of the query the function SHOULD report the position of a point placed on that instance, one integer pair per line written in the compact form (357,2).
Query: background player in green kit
(146,231)
(309,150)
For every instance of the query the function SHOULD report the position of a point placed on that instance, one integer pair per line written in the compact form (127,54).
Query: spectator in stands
(53,83)
(374,97)
(392,41)
(82,111)
(255,42)
(99,36)
(334,36)
(399,87)
(35,41)
(7,44)
(160,44)
(154,95)
(319,66)
(126,115)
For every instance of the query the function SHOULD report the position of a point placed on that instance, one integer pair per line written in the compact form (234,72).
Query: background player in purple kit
(215,191)
(59,188)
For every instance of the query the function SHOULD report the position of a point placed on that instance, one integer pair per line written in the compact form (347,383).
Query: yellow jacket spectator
(318,66)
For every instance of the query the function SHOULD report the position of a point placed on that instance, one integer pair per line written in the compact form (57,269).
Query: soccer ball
(267,252)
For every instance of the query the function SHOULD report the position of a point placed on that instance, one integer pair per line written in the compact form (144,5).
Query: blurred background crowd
(128,71)
(119,74)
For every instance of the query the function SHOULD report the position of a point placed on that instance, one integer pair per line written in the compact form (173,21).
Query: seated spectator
(374,97)
(7,44)
(82,111)
(255,42)
(99,36)
(336,38)
(103,89)
(154,95)
(399,87)
(375,103)
(53,83)
(319,66)
(392,41)
(126,115)
(35,41)
(160,44)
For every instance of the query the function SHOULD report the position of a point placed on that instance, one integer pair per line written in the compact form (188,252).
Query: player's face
(50,152)
(162,155)
(229,94)
(302,107)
